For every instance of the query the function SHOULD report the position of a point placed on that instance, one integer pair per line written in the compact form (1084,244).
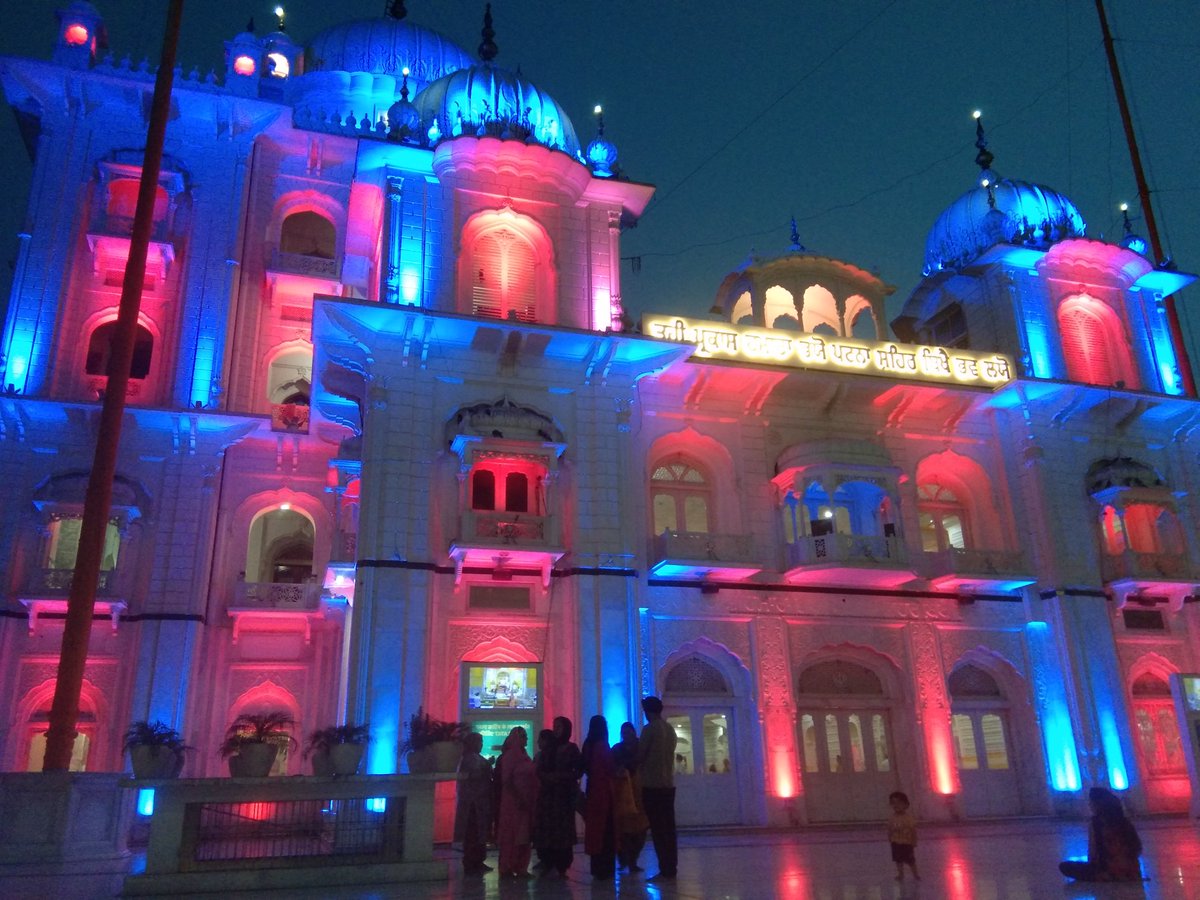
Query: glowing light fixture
(280,67)
(285,506)
(145,802)
(377,804)
(244,65)
(978,114)
(598,110)
(76,35)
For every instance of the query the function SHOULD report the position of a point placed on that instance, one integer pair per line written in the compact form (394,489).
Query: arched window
(743,310)
(503,279)
(308,233)
(280,547)
(483,489)
(943,518)
(681,497)
(1094,343)
(289,378)
(1157,729)
(819,313)
(978,720)
(779,309)
(695,676)
(516,492)
(99,353)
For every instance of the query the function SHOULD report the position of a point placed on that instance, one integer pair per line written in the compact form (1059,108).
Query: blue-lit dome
(485,99)
(385,46)
(1024,214)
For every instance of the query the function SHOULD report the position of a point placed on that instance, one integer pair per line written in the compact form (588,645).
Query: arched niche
(708,457)
(819,311)
(506,268)
(1095,343)
(947,474)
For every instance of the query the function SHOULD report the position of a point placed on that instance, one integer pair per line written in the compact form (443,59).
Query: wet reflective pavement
(1010,860)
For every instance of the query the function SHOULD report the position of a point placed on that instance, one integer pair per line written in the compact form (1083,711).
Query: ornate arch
(532,235)
(728,663)
(1013,686)
(500,649)
(307,201)
(880,664)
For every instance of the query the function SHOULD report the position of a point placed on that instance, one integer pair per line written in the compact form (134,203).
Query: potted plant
(433,745)
(338,749)
(155,750)
(253,741)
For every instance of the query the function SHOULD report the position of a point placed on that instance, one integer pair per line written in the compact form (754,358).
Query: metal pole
(72,659)
(1135,157)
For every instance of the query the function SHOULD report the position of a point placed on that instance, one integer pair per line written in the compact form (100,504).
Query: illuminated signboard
(502,687)
(719,340)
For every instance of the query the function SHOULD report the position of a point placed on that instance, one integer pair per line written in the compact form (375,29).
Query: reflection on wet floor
(1012,860)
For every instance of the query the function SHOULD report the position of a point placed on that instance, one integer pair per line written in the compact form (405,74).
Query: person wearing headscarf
(558,778)
(627,801)
(1113,843)
(518,790)
(473,809)
(599,821)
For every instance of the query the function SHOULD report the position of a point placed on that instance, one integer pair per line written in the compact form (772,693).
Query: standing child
(902,832)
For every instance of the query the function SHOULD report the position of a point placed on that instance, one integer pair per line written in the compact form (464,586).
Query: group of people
(529,804)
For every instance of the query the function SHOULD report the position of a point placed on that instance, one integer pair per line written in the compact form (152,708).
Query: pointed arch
(1095,343)
(500,649)
(880,664)
(506,268)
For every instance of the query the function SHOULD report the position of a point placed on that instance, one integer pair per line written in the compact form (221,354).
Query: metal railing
(694,545)
(271,832)
(865,550)
(270,596)
(58,581)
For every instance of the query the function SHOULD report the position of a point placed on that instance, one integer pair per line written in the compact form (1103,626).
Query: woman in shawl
(599,822)
(1113,843)
(558,778)
(518,788)
(627,800)
(473,811)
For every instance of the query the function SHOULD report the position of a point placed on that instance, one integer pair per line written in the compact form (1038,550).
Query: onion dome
(601,153)
(385,46)
(487,100)
(998,210)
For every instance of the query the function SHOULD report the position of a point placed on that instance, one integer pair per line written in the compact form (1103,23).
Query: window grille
(840,677)
(972,682)
(695,676)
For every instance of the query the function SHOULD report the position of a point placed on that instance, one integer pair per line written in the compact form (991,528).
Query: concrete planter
(253,761)
(155,761)
(440,756)
(346,758)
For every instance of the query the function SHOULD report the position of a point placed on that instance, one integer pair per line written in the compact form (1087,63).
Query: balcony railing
(58,581)
(253,595)
(300,264)
(1150,567)
(704,554)
(111,225)
(290,417)
(865,560)
(978,569)
(865,550)
(508,528)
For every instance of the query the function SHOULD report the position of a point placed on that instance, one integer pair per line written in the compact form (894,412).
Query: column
(932,709)
(777,713)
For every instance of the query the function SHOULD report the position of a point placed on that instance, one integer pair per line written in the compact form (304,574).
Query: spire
(983,159)
(279,17)
(599,113)
(404,85)
(796,246)
(488,48)
(396,9)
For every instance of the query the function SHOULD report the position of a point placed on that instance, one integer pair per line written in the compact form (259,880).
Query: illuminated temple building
(392,443)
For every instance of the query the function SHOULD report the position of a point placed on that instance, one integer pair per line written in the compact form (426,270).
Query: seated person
(1113,843)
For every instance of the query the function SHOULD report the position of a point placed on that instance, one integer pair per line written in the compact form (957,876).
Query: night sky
(853,116)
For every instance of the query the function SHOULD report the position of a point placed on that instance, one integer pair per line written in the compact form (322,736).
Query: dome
(485,99)
(385,46)
(1025,214)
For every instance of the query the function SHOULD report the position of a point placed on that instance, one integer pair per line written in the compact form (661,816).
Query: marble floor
(1012,860)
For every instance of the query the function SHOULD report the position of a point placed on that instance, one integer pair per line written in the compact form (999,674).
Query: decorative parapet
(704,555)
(854,549)
(252,595)
(1151,567)
(302,264)
(290,417)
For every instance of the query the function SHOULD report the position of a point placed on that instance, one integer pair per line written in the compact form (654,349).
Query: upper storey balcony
(977,571)
(270,606)
(509,518)
(838,502)
(1143,549)
(688,554)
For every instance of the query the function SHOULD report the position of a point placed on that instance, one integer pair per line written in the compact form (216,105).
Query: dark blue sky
(853,116)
